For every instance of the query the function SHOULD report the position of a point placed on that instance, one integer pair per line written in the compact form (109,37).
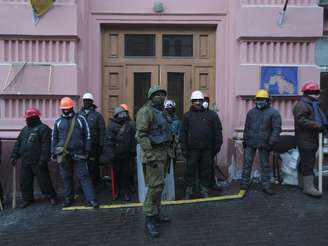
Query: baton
(14,188)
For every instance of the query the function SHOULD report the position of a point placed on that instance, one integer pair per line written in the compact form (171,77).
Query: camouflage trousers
(154,179)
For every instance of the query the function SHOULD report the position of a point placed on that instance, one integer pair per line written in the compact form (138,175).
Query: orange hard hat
(66,103)
(125,106)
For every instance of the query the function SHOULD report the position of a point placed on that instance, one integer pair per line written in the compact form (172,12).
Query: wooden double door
(127,79)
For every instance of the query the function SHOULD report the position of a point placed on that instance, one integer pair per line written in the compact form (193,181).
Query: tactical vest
(160,130)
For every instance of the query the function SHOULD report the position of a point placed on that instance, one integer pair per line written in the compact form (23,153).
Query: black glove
(53,157)
(42,163)
(244,144)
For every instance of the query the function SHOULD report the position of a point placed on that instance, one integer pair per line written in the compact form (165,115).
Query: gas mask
(122,115)
(205,105)
(68,112)
(261,104)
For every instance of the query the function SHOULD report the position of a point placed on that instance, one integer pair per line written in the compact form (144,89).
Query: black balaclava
(170,111)
(157,100)
(68,112)
(33,121)
(87,104)
(122,117)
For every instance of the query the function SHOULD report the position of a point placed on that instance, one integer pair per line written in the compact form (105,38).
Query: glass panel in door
(175,91)
(142,82)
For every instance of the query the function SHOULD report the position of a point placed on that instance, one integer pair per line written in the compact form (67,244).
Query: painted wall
(63,52)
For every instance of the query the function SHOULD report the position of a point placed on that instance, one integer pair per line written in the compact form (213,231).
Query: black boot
(26,204)
(268,190)
(151,226)
(162,219)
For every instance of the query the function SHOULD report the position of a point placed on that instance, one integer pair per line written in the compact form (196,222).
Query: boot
(308,187)
(162,219)
(268,190)
(203,192)
(26,204)
(188,193)
(300,181)
(151,226)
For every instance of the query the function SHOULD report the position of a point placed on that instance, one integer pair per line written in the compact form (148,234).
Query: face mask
(261,104)
(122,115)
(158,100)
(316,97)
(205,105)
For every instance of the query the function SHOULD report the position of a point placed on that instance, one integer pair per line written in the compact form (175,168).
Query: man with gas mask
(200,140)
(261,132)
(33,147)
(71,146)
(97,128)
(206,103)
(119,148)
(175,127)
(153,135)
(309,121)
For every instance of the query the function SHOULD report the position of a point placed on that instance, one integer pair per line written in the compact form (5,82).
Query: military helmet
(154,89)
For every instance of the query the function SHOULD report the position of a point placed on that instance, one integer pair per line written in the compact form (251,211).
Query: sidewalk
(288,218)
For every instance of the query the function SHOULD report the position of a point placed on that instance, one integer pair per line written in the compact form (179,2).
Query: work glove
(13,161)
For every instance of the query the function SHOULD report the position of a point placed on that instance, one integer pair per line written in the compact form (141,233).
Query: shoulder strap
(70,132)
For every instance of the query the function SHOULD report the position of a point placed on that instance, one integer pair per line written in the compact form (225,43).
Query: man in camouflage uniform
(153,135)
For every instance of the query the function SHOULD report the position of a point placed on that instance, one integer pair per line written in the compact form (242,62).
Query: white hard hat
(169,104)
(88,96)
(197,95)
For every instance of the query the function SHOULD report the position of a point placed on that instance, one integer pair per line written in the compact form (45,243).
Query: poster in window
(279,81)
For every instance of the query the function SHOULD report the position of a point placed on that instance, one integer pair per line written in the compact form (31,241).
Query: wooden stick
(320,162)
(1,206)
(14,188)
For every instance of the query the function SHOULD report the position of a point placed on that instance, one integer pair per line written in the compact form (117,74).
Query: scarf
(319,116)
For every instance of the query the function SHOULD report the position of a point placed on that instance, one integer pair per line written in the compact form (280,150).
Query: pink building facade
(63,54)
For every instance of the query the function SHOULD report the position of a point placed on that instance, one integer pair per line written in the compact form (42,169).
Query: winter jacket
(80,142)
(97,129)
(262,128)
(306,128)
(201,129)
(119,139)
(33,144)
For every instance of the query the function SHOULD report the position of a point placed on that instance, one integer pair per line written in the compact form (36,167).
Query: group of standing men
(79,141)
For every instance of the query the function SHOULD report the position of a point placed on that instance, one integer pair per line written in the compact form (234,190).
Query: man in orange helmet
(309,120)
(71,144)
(33,147)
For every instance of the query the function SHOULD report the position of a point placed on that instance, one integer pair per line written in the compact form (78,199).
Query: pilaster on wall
(38,63)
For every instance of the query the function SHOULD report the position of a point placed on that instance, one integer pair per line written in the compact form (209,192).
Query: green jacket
(150,153)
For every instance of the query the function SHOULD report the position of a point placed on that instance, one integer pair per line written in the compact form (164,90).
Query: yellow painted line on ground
(240,195)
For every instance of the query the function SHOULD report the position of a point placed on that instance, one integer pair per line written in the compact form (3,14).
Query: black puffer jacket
(306,128)
(33,144)
(262,128)
(201,129)
(119,139)
(97,129)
